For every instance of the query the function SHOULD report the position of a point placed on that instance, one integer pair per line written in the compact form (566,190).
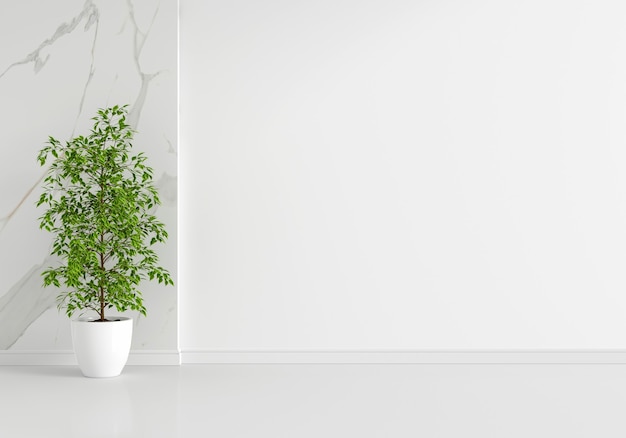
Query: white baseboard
(172,357)
(405,357)
(67,357)
(154,357)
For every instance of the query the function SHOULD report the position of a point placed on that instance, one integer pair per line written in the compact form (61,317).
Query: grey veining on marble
(22,305)
(79,57)
(89,14)
(138,44)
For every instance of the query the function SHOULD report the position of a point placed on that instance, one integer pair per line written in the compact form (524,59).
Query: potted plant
(99,200)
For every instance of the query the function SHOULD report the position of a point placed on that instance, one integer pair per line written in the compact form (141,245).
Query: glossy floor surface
(298,401)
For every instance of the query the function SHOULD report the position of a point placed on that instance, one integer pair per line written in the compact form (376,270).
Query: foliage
(99,199)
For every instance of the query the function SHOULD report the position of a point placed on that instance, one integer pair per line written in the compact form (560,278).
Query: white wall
(396,174)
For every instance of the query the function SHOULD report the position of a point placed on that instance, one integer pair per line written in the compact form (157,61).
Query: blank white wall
(396,174)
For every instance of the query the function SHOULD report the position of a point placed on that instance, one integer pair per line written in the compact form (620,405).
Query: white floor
(297,401)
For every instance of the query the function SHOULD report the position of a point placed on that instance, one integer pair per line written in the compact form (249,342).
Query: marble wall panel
(60,61)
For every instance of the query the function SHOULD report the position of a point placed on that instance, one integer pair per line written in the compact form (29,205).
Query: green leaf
(97,209)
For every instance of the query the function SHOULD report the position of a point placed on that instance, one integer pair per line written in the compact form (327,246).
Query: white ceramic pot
(102,347)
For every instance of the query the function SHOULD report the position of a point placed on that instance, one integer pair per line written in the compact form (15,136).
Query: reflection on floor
(321,401)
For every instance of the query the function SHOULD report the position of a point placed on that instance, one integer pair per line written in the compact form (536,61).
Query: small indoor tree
(100,200)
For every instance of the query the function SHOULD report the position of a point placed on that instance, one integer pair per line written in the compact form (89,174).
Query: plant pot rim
(109,319)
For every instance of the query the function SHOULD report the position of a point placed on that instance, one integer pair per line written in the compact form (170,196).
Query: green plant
(99,200)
